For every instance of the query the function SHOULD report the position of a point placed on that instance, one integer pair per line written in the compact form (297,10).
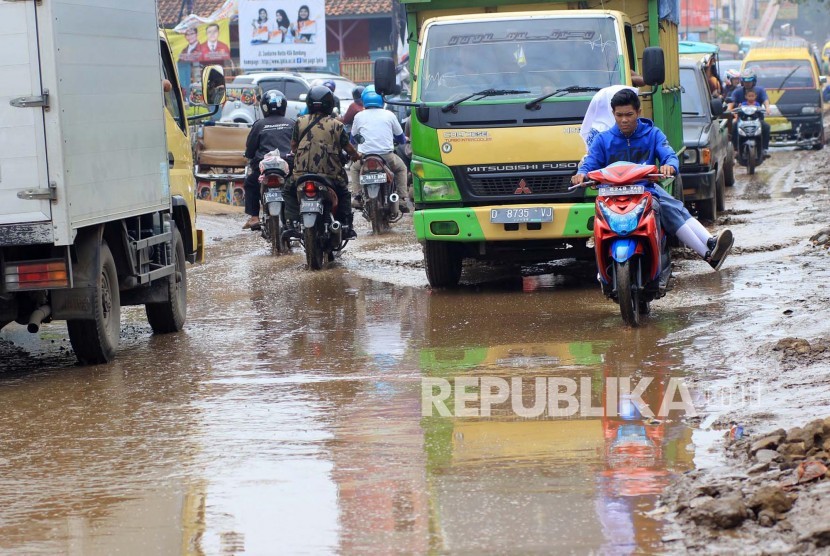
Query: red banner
(694,15)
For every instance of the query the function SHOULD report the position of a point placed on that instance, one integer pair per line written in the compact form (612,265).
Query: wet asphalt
(287,416)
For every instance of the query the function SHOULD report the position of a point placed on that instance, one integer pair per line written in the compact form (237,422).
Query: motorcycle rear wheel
(627,294)
(377,217)
(313,250)
(275,234)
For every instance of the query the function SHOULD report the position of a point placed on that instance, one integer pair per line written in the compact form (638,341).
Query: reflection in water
(291,413)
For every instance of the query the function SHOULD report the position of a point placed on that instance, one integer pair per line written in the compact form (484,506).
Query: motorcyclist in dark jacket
(270,133)
(638,140)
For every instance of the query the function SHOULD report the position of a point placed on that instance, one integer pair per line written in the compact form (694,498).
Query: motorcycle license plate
(367,179)
(521,215)
(273,195)
(311,206)
(621,190)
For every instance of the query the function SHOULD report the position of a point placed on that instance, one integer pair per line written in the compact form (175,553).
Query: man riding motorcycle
(271,132)
(748,82)
(317,143)
(378,130)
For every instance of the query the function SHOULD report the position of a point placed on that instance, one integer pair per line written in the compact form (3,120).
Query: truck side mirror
(213,86)
(717,107)
(385,77)
(654,66)
(823,79)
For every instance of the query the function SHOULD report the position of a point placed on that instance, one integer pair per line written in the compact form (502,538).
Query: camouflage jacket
(320,148)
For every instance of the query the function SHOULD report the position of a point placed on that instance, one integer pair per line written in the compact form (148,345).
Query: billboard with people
(206,43)
(282,33)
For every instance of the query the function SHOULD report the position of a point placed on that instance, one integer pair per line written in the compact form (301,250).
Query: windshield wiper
(788,76)
(482,94)
(531,105)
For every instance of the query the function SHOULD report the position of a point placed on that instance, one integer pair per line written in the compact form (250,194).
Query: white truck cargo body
(98,153)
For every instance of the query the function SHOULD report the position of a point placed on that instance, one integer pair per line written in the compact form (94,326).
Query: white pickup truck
(97,194)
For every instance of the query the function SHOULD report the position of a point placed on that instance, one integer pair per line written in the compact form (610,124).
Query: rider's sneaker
(766,154)
(357,202)
(403,208)
(351,234)
(719,248)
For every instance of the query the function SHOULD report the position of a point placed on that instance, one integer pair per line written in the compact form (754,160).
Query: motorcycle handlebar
(592,183)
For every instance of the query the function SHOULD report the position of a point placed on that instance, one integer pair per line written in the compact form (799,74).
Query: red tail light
(310,189)
(273,181)
(36,275)
(373,164)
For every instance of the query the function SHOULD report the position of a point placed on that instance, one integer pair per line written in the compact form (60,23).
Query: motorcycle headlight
(690,156)
(623,224)
(811,109)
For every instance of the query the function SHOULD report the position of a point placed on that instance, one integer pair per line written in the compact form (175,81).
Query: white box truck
(97,194)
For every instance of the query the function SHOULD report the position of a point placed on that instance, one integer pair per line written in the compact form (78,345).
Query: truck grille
(538,185)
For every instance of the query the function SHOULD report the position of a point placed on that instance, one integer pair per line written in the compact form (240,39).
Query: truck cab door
(179,151)
(24,179)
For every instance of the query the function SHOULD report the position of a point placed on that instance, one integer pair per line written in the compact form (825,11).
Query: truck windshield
(690,94)
(783,74)
(537,55)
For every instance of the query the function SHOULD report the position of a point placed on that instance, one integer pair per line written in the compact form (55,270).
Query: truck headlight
(811,109)
(690,156)
(439,191)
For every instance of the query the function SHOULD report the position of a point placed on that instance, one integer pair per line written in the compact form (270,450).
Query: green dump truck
(500,89)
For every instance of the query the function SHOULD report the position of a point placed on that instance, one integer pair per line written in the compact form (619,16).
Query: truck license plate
(366,179)
(521,215)
(273,195)
(621,190)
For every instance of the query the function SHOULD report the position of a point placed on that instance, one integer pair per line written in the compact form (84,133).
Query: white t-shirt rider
(379,129)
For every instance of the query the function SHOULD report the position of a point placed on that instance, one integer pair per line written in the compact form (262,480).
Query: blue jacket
(645,146)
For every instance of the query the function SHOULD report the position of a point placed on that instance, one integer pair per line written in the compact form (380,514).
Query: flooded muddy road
(288,416)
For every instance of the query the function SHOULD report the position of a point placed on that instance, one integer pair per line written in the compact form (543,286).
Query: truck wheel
(170,316)
(442,261)
(708,209)
(720,192)
(96,340)
(729,167)
(820,145)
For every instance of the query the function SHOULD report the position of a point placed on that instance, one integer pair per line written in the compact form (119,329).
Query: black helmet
(357,93)
(273,103)
(320,100)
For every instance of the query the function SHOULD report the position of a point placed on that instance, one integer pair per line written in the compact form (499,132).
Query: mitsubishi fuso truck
(499,91)
(97,194)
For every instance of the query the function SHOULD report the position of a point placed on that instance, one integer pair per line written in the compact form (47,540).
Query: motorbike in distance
(323,236)
(750,142)
(275,229)
(631,248)
(380,200)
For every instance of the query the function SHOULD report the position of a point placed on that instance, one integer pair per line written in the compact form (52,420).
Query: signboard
(694,16)
(788,10)
(205,43)
(282,34)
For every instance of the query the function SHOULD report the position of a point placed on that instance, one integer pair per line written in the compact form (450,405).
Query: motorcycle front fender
(623,249)
(310,219)
(373,190)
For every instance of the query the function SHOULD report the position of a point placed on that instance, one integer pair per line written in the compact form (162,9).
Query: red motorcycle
(632,252)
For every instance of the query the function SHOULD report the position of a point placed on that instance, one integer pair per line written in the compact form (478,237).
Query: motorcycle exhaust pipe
(393,198)
(335,225)
(37,317)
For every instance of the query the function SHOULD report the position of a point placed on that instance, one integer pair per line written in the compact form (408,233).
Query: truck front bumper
(570,220)
(699,186)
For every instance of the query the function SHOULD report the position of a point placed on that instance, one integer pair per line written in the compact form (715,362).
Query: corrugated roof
(169,9)
(340,8)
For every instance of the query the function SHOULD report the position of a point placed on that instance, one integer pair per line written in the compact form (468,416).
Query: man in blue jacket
(638,140)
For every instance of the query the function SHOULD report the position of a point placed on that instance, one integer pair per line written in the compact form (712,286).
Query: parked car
(295,85)
(708,161)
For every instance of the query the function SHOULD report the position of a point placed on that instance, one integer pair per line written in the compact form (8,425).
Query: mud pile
(775,498)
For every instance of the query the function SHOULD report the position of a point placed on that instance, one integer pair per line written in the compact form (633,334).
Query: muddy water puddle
(290,419)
